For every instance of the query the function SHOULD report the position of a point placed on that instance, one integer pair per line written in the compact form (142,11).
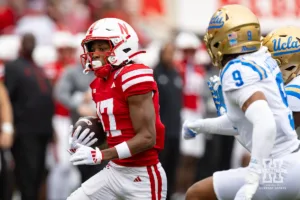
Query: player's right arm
(240,89)
(219,125)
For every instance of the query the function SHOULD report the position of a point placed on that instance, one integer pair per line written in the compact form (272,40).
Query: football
(95,125)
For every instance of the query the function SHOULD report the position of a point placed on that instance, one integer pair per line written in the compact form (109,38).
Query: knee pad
(78,195)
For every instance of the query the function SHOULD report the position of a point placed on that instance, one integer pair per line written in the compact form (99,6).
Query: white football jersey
(293,94)
(261,71)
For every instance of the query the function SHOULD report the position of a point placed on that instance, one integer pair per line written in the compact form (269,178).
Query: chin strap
(89,67)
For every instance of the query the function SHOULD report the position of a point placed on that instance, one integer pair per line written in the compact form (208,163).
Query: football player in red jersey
(126,98)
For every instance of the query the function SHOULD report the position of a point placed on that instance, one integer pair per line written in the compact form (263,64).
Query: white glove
(86,156)
(85,138)
(216,82)
(191,128)
(252,178)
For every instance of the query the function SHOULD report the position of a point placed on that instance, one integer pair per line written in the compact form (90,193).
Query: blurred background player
(192,74)
(6,141)
(127,102)
(30,93)
(58,187)
(72,90)
(169,84)
(250,79)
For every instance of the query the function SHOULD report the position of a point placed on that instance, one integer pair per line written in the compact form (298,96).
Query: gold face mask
(284,46)
(233,29)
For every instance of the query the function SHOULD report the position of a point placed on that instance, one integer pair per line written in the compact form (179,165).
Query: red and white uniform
(140,177)
(111,96)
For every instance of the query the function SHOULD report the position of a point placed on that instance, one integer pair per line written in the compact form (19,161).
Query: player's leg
(142,183)
(78,195)
(202,190)
(224,185)
(98,187)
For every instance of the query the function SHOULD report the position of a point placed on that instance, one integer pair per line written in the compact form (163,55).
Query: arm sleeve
(219,125)
(63,91)
(264,126)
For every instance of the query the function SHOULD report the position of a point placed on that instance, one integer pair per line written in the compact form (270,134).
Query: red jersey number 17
(106,107)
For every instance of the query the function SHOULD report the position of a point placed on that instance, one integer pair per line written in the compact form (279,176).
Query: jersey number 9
(236,75)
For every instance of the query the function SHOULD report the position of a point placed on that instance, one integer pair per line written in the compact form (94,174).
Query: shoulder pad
(239,73)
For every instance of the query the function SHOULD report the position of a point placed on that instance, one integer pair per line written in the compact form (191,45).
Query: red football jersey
(111,96)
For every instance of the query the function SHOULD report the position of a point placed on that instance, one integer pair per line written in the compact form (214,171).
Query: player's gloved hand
(252,178)
(216,82)
(215,88)
(191,128)
(86,156)
(85,138)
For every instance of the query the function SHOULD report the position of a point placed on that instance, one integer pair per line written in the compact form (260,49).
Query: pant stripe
(155,182)
(152,183)
(159,180)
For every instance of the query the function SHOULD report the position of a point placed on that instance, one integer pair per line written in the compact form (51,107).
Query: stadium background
(158,23)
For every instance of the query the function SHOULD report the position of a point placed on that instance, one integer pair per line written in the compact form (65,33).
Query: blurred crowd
(40,47)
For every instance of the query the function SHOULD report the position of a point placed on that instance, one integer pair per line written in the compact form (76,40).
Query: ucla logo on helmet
(216,21)
(285,47)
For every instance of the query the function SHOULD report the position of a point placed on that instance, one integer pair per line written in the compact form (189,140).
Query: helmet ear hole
(290,68)
(126,50)
(216,45)
(227,17)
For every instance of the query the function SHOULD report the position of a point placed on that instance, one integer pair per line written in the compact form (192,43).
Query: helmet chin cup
(103,72)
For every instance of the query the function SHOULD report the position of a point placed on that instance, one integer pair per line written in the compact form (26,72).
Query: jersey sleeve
(293,97)
(240,73)
(136,80)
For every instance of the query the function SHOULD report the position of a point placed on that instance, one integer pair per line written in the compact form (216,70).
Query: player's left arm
(142,115)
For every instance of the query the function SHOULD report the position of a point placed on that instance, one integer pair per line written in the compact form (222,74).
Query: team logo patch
(216,21)
(232,37)
(283,48)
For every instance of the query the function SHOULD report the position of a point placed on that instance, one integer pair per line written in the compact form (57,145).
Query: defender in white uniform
(257,111)
(284,45)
